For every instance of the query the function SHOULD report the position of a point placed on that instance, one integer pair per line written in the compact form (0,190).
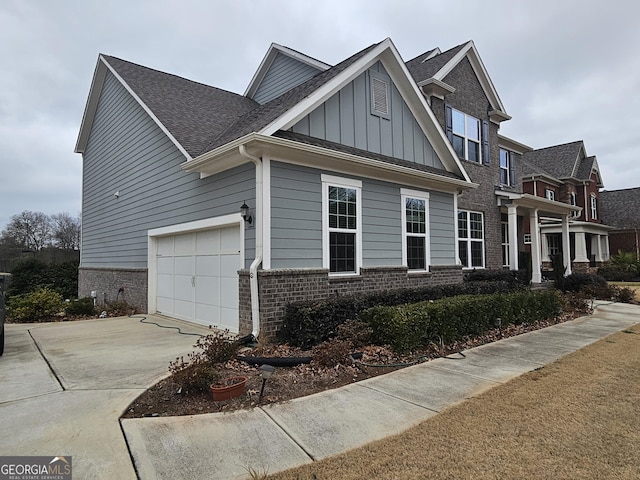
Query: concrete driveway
(63,387)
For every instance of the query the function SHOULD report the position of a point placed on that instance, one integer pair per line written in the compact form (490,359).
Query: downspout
(253,269)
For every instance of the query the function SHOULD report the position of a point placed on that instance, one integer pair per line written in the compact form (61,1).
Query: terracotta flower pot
(232,387)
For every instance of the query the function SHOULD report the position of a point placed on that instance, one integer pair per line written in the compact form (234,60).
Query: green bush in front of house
(36,306)
(409,327)
(312,322)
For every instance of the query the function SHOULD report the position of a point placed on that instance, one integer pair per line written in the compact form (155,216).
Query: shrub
(579,281)
(32,274)
(218,347)
(497,275)
(310,323)
(625,295)
(409,327)
(615,273)
(35,306)
(356,332)
(83,306)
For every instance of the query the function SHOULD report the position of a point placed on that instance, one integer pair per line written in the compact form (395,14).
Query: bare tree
(66,231)
(30,230)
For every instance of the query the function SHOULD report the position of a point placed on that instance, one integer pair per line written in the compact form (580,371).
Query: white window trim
(549,194)
(509,166)
(404,194)
(469,240)
(466,137)
(506,244)
(341,182)
(527,239)
(593,203)
(573,200)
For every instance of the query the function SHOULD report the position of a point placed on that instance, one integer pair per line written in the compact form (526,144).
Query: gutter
(257,261)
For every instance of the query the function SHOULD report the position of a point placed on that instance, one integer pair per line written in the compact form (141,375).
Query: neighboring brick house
(492,219)
(219,208)
(621,210)
(567,174)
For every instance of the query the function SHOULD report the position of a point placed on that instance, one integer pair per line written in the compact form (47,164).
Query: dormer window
(594,207)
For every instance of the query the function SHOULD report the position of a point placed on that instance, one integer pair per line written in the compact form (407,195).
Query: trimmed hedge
(307,324)
(579,281)
(615,273)
(408,327)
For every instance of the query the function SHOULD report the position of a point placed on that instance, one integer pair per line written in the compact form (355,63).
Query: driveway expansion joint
(53,372)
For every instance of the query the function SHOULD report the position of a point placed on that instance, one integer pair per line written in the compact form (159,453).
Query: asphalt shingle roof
(318,142)
(262,116)
(557,161)
(423,70)
(621,208)
(193,113)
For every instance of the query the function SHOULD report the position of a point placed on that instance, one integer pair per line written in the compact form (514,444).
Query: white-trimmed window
(415,229)
(465,136)
(505,240)
(550,194)
(594,206)
(506,168)
(527,239)
(341,221)
(471,239)
(573,200)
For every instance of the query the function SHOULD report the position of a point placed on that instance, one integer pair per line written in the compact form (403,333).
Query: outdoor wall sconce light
(266,371)
(244,213)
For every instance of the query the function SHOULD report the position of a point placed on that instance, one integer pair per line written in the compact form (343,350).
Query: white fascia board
(469,50)
(90,108)
(146,108)
(513,145)
(268,59)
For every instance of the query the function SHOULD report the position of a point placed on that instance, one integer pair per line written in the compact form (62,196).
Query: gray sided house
(349,185)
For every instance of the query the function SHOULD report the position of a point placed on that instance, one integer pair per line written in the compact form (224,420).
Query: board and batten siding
(296,220)
(128,153)
(283,74)
(346,118)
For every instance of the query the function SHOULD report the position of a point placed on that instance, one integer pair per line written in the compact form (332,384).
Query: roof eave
(226,157)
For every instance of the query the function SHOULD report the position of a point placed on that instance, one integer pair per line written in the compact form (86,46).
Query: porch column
(581,248)
(566,245)
(536,275)
(512,216)
(607,252)
(596,247)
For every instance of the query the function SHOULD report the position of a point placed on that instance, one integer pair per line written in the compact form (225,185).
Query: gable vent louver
(380,100)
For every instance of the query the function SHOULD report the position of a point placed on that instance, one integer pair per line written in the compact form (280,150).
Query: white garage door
(197,277)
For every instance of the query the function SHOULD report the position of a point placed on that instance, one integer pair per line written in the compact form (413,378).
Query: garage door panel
(184,244)
(165,305)
(208,266)
(165,285)
(229,266)
(208,314)
(229,240)
(184,266)
(183,287)
(229,318)
(229,294)
(208,242)
(183,309)
(208,291)
(165,246)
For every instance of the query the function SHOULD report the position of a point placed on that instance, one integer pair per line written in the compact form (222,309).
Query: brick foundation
(107,281)
(279,287)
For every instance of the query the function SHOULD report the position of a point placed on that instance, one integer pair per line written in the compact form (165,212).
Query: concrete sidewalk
(281,436)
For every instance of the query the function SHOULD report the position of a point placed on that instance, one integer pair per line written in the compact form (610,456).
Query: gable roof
(284,111)
(427,68)
(268,59)
(565,161)
(262,115)
(190,113)
(621,208)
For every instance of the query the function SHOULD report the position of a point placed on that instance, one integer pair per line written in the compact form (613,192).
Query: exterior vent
(380,100)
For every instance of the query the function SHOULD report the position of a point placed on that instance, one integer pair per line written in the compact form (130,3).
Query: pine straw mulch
(166,398)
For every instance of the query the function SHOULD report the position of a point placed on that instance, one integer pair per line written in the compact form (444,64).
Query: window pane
(342,252)
(504,159)
(476,225)
(476,254)
(473,151)
(416,253)
(458,145)
(462,247)
(462,225)
(473,128)
(415,215)
(342,208)
(504,176)
(457,119)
